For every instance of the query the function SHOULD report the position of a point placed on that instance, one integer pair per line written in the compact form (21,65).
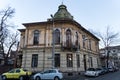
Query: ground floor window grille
(78,60)
(69,60)
(34,62)
(57,60)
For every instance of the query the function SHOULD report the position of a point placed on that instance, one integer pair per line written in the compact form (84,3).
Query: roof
(62,13)
(22,30)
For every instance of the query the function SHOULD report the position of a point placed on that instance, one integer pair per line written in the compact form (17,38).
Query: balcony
(69,48)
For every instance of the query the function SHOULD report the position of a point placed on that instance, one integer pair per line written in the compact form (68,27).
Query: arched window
(57,36)
(68,38)
(36,37)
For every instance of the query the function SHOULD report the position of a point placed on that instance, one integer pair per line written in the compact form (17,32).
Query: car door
(45,75)
(10,74)
(52,74)
(17,73)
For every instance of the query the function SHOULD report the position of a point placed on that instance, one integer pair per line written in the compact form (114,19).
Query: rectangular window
(89,44)
(69,60)
(34,62)
(36,42)
(57,60)
(97,46)
(78,61)
(36,37)
(91,62)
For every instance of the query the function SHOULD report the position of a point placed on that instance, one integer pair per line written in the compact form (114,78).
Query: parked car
(17,73)
(106,70)
(100,71)
(51,74)
(116,68)
(92,72)
(111,69)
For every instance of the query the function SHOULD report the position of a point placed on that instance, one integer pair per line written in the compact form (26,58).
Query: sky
(91,14)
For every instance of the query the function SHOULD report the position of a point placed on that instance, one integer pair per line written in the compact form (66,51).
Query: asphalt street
(108,76)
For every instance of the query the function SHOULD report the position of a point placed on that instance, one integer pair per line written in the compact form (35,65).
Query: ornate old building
(60,42)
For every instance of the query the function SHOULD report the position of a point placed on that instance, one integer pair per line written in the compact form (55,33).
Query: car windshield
(25,70)
(11,71)
(91,69)
(98,69)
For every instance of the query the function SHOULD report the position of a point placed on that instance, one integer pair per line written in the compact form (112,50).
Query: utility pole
(53,41)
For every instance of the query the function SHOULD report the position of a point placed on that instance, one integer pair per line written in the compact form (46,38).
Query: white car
(51,74)
(92,72)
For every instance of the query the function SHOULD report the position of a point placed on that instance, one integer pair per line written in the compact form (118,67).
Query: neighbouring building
(113,56)
(72,48)
(12,57)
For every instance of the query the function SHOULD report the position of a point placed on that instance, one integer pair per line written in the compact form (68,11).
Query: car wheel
(56,78)
(4,78)
(21,78)
(37,78)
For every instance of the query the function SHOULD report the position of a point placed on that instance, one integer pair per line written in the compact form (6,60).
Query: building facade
(113,56)
(60,42)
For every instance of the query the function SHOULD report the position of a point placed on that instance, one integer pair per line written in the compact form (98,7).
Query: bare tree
(7,40)
(107,38)
(10,43)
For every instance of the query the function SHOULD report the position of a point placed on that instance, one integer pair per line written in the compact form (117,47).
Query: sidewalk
(74,76)
(0,77)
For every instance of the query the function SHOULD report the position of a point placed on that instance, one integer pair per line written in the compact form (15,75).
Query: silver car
(92,72)
(51,74)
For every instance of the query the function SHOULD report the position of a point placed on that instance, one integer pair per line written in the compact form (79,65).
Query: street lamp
(53,41)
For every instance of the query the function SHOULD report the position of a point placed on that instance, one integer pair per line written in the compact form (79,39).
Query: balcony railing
(69,48)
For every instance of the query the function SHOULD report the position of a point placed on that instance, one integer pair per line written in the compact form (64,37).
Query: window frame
(68,38)
(57,36)
(78,60)
(34,61)
(36,35)
(69,58)
(84,41)
(57,57)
